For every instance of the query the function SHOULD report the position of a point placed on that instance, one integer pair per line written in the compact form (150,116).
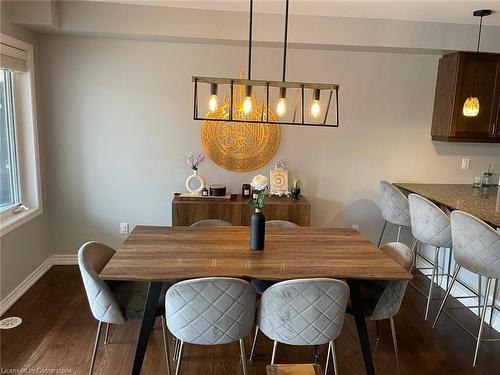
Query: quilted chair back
(303,312)
(210,311)
(476,246)
(390,301)
(394,205)
(92,257)
(212,223)
(429,223)
(281,224)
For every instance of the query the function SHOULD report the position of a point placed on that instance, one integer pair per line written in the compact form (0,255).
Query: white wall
(118,116)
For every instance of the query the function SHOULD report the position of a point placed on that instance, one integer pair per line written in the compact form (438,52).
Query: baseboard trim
(28,282)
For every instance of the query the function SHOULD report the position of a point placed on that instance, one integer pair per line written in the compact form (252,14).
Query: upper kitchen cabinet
(457,74)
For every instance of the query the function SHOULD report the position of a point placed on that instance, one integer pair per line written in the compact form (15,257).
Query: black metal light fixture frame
(283,85)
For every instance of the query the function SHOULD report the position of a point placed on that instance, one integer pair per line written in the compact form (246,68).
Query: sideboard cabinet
(186,211)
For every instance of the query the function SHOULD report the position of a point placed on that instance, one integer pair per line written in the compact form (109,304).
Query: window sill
(15,221)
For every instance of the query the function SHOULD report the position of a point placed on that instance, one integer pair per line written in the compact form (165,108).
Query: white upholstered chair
(280,224)
(476,247)
(394,208)
(304,312)
(115,302)
(430,226)
(212,223)
(210,311)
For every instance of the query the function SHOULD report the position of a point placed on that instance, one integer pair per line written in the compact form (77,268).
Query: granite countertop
(483,203)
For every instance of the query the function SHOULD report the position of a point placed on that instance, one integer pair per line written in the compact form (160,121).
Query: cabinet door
(485,68)
(495,110)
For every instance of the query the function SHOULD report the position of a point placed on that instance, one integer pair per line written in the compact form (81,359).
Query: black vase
(257,231)
(295,193)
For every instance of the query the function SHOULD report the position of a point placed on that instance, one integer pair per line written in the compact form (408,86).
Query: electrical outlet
(123,228)
(465,163)
(355,227)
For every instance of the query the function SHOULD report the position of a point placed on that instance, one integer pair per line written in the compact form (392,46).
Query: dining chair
(430,226)
(113,302)
(394,208)
(477,249)
(281,224)
(210,311)
(389,294)
(304,312)
(212,223)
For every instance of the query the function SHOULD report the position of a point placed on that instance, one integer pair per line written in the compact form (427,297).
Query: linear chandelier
(263,101)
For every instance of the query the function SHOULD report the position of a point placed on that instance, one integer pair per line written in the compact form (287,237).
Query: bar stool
(304,312)
(430,226)
(394,207)
(476,248)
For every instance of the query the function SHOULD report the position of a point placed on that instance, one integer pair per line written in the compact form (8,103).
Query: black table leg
(148,320)
(359,317)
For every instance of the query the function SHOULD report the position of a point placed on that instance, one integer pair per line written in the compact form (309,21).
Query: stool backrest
(429,224)
(394,205)
(303,312)
(209,311)
(211,223)
(476,245)
(390,301)
(281,224)
(92,258)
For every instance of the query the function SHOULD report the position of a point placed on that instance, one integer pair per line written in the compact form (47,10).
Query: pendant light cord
(285,41)
(479,34)
(477,51)
(250,41)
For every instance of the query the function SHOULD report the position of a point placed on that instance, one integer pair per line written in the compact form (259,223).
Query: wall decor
(240,147)
(194,163)
(315,104)
(279,179)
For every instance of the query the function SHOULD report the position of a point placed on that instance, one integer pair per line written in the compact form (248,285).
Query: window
(20,193)
(9,176)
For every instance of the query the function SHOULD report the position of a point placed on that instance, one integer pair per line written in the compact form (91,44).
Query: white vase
(190,179)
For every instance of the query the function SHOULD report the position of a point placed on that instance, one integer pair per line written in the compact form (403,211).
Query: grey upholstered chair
(210,311)
(394,208)
(281,224)
(212,223)
(430,226)
(392,292)
(476,247)
(304,312)
(112,303)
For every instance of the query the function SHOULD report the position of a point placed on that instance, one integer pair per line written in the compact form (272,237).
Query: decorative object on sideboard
(204,192)
(194,163)
(206,89)
(471,104)
(246,191)
(258,220)
(217,190)
(279,179)
(296,188)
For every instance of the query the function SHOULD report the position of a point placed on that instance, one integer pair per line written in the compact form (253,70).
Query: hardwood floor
(58,332)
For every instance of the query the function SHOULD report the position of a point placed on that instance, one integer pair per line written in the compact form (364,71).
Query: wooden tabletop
(484,203)
(177,253)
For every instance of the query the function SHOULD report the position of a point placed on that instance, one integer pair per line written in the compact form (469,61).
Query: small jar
(487,179)
(204,192)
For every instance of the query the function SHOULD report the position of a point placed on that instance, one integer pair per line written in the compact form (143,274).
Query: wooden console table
(186,211)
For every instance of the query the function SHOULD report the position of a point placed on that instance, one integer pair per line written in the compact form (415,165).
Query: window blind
(12,58)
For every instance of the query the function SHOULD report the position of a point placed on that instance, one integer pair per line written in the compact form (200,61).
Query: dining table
(159,254)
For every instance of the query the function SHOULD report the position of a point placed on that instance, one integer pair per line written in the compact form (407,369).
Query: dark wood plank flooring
(58,332)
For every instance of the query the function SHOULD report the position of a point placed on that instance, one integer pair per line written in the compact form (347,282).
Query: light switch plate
(123,228)
(465,163)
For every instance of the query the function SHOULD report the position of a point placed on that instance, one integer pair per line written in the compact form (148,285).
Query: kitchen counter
(484,203)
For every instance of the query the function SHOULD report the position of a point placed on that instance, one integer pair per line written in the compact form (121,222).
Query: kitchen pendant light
(471,104)
(244,105)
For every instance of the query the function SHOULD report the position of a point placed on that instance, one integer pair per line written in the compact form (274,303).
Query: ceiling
(423,10)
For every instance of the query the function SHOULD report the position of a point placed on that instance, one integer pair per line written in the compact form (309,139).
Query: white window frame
(28,159)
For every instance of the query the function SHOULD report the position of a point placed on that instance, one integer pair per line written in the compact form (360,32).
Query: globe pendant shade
(471,106)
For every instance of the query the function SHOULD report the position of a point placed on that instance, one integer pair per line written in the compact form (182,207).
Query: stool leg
(274,352)
(431,285)
(455,274)
(254,343)
(165,343)
(334,356)
(483,316)
(395,343)
(399,234)
(382,234)
(495,290)
(479,296)
(179,358)
(94,351)
(243,357)
(449,268)
(106,334)
(327,359)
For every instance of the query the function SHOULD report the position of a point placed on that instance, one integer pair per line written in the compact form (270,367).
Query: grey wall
(25,248)
(118,127)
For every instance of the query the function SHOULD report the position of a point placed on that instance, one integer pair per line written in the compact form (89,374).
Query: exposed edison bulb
(315,109)
(212,103)
(281,107)
(247,102)
(471,106)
